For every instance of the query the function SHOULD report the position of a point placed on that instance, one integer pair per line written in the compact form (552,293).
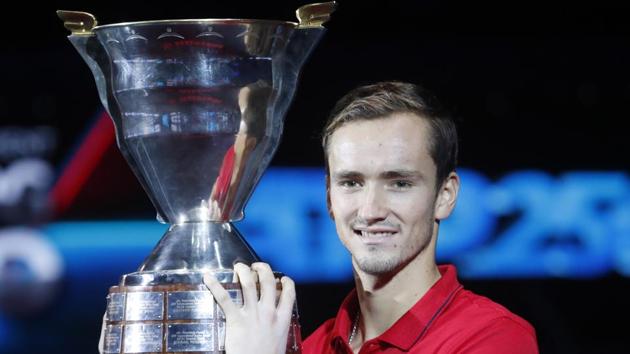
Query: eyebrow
(401,174)
(393,174)
(346,174)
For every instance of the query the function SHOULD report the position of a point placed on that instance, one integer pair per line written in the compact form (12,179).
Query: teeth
(376,234)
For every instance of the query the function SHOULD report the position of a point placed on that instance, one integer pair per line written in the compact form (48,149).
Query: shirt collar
(345,317)
(415,322)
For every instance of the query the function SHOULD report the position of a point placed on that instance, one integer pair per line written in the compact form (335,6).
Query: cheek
(340,205)
(339,208)
(412,206)
(343,232)
(416,215)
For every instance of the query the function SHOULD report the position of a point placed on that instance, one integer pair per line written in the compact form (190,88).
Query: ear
(328,204)
(447,196)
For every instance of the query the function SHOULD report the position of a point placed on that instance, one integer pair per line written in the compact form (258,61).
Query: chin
(376,264)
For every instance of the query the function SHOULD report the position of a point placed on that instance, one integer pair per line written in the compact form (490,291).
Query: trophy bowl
(198,108)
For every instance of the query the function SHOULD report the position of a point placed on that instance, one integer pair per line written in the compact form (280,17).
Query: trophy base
(174,317)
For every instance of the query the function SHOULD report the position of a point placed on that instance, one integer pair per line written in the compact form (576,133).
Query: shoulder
(477,324)
(320,339)
(502,335)
(487,311)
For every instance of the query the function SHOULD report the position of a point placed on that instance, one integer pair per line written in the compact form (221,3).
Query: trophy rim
(204,21)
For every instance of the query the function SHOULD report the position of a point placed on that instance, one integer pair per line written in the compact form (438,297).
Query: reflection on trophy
(198,107)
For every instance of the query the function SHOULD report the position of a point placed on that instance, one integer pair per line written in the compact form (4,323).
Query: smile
(375,236)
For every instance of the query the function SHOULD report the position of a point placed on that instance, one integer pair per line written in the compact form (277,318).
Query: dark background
(533,85)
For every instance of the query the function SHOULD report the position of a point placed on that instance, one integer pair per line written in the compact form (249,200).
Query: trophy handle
(315,15)
(77,22)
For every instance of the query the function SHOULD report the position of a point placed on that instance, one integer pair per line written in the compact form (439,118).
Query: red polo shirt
(447,319)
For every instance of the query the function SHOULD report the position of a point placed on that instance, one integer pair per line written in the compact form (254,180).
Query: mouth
(375,236)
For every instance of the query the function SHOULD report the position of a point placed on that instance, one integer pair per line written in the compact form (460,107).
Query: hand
(259,326)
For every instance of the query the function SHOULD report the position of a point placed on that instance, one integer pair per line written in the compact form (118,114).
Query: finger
(286,303)
(248,284)
(221,295)
(267,284)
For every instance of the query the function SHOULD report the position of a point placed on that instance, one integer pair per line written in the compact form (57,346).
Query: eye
(348,183)
(402,184)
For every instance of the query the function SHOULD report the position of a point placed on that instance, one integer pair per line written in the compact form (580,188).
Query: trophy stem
(199,247)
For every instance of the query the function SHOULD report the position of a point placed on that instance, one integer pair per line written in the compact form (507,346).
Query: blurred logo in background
(31,268)
(26,175)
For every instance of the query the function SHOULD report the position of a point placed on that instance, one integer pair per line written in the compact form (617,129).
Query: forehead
(398,140)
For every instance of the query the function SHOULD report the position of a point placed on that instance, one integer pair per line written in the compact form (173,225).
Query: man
(390,162)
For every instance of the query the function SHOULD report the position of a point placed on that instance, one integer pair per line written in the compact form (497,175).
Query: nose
(373,206)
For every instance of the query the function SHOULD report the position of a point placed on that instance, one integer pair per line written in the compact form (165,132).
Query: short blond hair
(383,99)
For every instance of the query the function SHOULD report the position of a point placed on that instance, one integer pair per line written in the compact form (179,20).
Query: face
(382,191)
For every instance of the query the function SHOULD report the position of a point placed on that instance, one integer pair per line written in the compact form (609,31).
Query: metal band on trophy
(198,107)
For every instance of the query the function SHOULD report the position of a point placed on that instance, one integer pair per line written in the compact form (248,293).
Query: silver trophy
(198,107)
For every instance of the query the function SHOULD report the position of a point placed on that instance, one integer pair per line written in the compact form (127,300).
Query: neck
(383,299)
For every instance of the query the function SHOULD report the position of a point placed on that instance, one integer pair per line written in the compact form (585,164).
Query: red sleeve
(503,335)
